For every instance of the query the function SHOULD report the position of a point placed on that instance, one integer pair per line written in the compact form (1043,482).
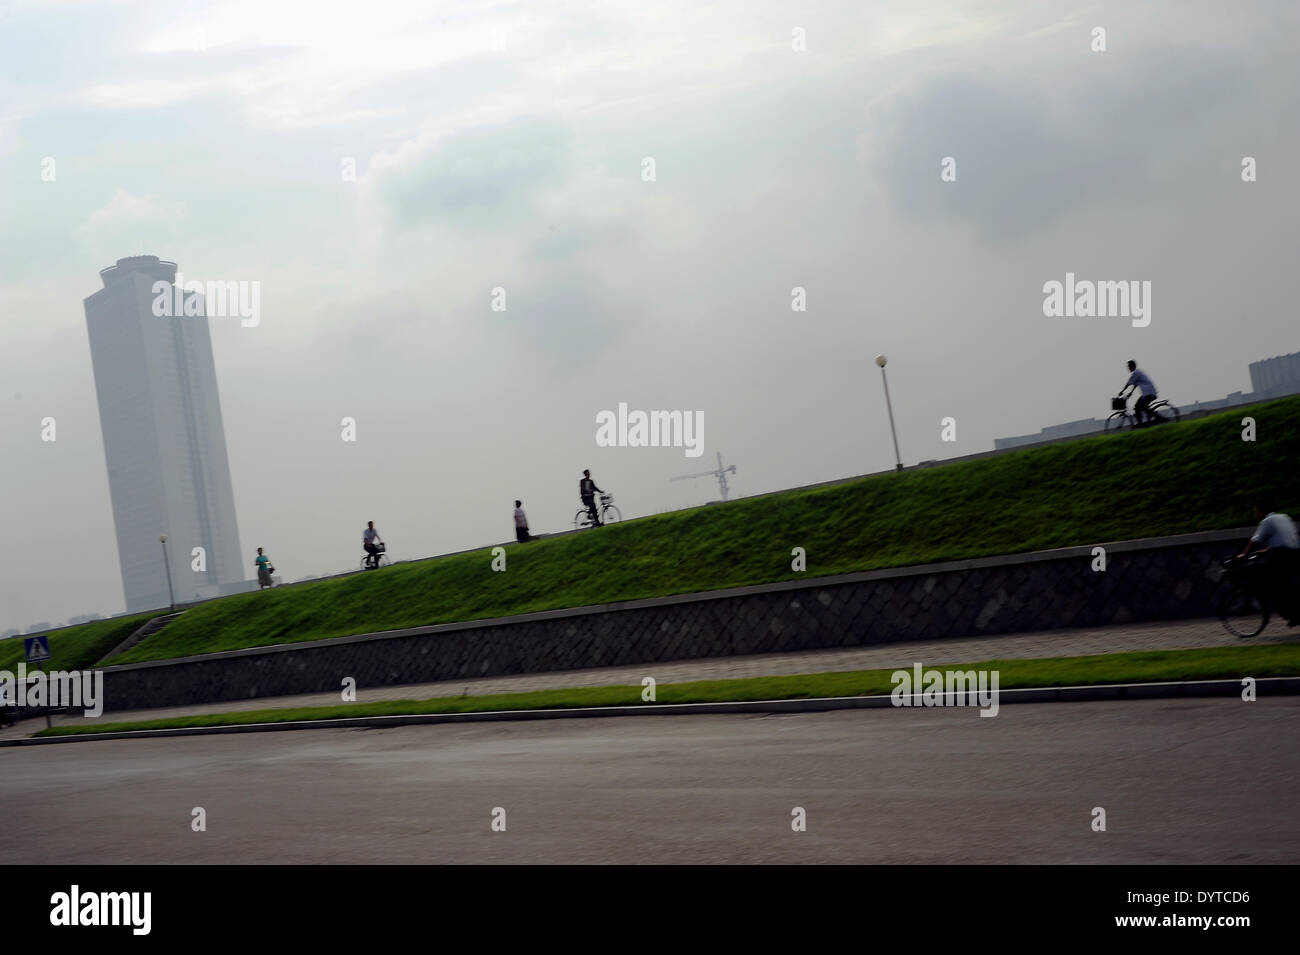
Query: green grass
(1143,667)
(1198,475)
(76,648)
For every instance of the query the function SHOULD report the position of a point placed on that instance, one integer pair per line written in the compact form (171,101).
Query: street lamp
(162,539)
(881,360)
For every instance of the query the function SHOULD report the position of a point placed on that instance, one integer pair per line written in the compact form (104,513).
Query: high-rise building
(163,439)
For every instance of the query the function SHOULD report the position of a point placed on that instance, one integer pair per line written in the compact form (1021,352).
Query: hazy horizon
(502,146)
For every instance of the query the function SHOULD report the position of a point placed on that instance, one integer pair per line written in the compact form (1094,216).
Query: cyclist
(1139,379)
(371,541)
(587,490)
(1278,545)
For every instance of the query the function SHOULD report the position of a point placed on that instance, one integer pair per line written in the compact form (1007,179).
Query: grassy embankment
(1197,475)
(75,648)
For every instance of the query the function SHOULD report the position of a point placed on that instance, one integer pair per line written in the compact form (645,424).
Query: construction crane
(720,474)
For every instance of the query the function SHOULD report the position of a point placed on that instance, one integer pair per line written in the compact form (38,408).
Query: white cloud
(130,221)
(124,207)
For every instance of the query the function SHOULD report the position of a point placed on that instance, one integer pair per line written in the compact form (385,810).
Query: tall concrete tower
(163,439)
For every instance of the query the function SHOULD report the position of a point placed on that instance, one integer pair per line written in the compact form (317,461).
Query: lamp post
(881,360)
(162,539)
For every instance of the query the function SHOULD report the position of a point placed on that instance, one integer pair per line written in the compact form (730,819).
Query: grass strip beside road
(1148,666)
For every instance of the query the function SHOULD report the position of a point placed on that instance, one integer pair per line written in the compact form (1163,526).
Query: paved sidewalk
(1188,634)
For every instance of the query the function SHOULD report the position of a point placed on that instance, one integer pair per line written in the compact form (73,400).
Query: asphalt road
(1190,781)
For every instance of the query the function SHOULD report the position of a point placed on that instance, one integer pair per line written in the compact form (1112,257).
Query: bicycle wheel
(609,514)
(382,562)
(1119,421)
(1165,412)
(1242,613)
(581,519)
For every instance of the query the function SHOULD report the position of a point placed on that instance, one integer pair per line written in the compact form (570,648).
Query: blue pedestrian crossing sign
(38,649)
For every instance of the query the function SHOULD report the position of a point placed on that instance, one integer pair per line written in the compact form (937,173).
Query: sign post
(38,651)
(37,648)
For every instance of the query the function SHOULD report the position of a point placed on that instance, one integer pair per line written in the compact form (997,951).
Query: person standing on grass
(264,570)
(521,523)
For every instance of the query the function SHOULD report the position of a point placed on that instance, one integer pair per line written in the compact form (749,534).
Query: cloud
(131,222)
(1027,160)
(482,179)
(568,317)
(1017,170)
(580,239)
(125,208)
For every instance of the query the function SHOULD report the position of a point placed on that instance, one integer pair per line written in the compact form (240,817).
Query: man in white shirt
(1140,380)
(369,540)
(521,523)
(1278,544)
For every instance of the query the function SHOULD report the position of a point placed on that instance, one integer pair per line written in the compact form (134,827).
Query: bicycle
(375,561)
(1121,418)
(1242,610)
(608,513)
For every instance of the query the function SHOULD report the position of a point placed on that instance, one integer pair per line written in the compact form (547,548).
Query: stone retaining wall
(1147,580)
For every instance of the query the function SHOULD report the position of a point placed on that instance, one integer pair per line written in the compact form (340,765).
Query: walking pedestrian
(264,570)
(521,523)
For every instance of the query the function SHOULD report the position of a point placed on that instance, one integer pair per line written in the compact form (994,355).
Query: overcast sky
(503,145)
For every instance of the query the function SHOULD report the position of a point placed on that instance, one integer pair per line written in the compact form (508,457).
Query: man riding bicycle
(372,542)
(587,490)
(1277,544)
(1139,379)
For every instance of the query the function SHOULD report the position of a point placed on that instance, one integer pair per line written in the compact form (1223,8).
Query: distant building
(1052,432)
(1270,378)
(1218,404)
(163,439)
(1275,377)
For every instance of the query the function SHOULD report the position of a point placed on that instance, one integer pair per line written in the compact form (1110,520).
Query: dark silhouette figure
(521,523)
(587,490)
(373,544)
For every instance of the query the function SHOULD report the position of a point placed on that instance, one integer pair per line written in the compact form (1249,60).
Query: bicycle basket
(1119,404)
(606,498)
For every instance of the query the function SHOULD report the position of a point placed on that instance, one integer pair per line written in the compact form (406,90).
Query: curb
(1266,686)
